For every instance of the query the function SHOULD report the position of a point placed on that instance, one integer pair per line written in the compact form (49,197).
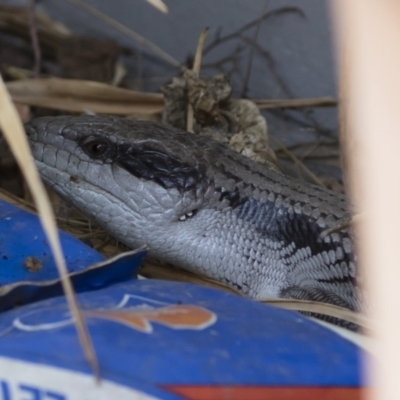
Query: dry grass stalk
(14,133)
(196,69)
(14,19)
(17,201)
(83,96)
(129,32)
(157,270)
(299,163)
(265,104)
(159,4)
(322,308)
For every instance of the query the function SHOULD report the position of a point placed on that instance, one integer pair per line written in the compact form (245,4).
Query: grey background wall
(301,46)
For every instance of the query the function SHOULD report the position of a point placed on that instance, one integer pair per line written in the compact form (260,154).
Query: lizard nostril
(28,130)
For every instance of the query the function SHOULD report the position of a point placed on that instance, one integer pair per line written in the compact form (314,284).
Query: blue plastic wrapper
(168,335)
(158,339)
(23,242)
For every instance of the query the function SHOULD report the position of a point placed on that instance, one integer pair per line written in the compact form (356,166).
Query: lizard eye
(97,147)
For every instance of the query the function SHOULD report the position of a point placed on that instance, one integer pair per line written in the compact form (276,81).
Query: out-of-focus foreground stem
(368,35)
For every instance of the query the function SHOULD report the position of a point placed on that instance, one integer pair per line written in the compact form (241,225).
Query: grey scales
(200,205)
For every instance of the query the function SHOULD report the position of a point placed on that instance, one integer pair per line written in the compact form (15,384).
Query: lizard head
(143,182)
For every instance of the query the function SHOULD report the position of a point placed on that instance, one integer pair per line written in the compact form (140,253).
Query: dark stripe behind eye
(166,170)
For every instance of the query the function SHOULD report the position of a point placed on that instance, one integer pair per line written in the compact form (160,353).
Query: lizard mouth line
(49,179)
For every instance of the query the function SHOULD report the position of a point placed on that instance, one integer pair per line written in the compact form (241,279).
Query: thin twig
(343,224)
(321,308)
(274,70)
(275,13)
(139,68)
(313,143)
(196,70)
(34,38)
(250,63)
(270,64)
(283,114)
(296,103)
(298,162)
(226,60)
(218,40)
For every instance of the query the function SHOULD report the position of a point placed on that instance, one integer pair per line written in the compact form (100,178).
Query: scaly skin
(200,205)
